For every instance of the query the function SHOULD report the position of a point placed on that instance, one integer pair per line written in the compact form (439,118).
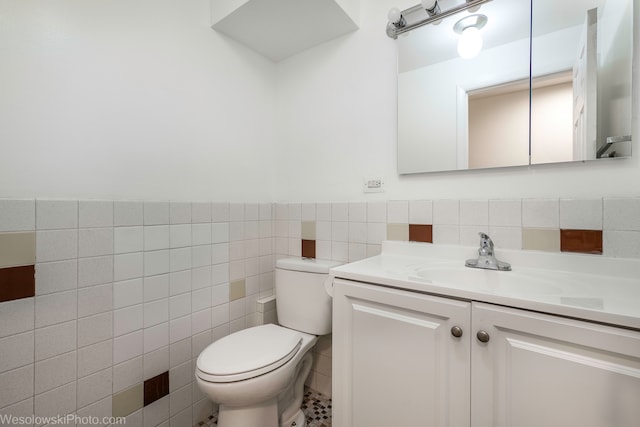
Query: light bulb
(470,43)
(394,15)
(429,4)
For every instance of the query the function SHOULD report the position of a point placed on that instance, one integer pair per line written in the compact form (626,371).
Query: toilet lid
(248,353)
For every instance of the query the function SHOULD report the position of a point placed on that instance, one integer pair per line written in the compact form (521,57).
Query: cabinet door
(540,370)
(395,360)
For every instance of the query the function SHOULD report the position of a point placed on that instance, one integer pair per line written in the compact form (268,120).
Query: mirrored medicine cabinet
(551,83)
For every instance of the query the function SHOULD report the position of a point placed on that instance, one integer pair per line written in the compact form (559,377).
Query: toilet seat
(248,353)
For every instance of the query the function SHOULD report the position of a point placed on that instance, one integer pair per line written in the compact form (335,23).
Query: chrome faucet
(486,258)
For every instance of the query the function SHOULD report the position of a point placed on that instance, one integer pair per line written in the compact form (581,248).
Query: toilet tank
(302,302)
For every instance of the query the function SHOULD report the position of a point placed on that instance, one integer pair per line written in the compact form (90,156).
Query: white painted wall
(141,99)
(131,99)
(337,123)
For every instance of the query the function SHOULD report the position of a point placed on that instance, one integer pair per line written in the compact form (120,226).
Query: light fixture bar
(394,31)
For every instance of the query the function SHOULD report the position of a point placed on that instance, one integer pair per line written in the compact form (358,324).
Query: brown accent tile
(582,241)
(127,401)
(308,248)
(17,283)
(421,233)
(156,388)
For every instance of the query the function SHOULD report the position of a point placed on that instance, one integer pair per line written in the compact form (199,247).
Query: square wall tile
(421,233)
(398,232)
(237,290)
(95,271)
(16,316)
(94,329)
(55,340)
(446,212)
(200,212)
(446,234)
(56,245)
(156,363)
(474,212)
(505,213)
(308,230)
(421,212)
(323,211)
(95,299)
(128,213)
(581,241)
(56,214)
(61,400)
(128,240)
(128,266)
(581,214)
(56,276)
(128,346)
(377,211)
(17,249)
(128,401)
(54,372)
(308,248)
(251,212)
(180,235)
(95,213)
(541,213)
(17,215)
(398,212)
(358,211)
(17,283)
(56,308)
(95,358)
(17,351)
(95,242)
(621,244)
(127,374)
(156,237)
(220,212)
(127,293)
(622,214)
(157,262)
(93,388)
(17,385)
(156,213)
(540,239)
(506,237)
(180,212)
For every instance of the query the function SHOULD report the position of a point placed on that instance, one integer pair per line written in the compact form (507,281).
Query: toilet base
(264,414)
(298,420)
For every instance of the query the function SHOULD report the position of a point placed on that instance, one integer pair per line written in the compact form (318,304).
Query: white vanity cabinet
(397,362)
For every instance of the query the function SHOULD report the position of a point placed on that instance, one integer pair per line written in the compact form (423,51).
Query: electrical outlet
(373,185)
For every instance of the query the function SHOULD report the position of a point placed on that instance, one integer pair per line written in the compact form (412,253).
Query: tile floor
(316,407)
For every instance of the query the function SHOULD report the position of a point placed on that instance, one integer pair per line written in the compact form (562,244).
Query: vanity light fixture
(427,12)
(470,42)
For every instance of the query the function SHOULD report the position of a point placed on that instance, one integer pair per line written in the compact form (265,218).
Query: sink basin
(491,281)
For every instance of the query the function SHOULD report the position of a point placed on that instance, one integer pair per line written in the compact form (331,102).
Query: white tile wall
(126,290)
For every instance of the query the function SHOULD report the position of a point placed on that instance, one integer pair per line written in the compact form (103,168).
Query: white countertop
(587,287)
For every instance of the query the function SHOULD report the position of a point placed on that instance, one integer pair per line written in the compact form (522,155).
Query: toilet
(257,375)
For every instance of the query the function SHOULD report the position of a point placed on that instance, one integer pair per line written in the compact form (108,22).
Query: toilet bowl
(257,375)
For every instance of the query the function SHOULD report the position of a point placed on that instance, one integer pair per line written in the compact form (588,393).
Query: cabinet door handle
(483,336)
(456,331)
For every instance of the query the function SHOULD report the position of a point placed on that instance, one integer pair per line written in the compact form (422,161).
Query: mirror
(570,102)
